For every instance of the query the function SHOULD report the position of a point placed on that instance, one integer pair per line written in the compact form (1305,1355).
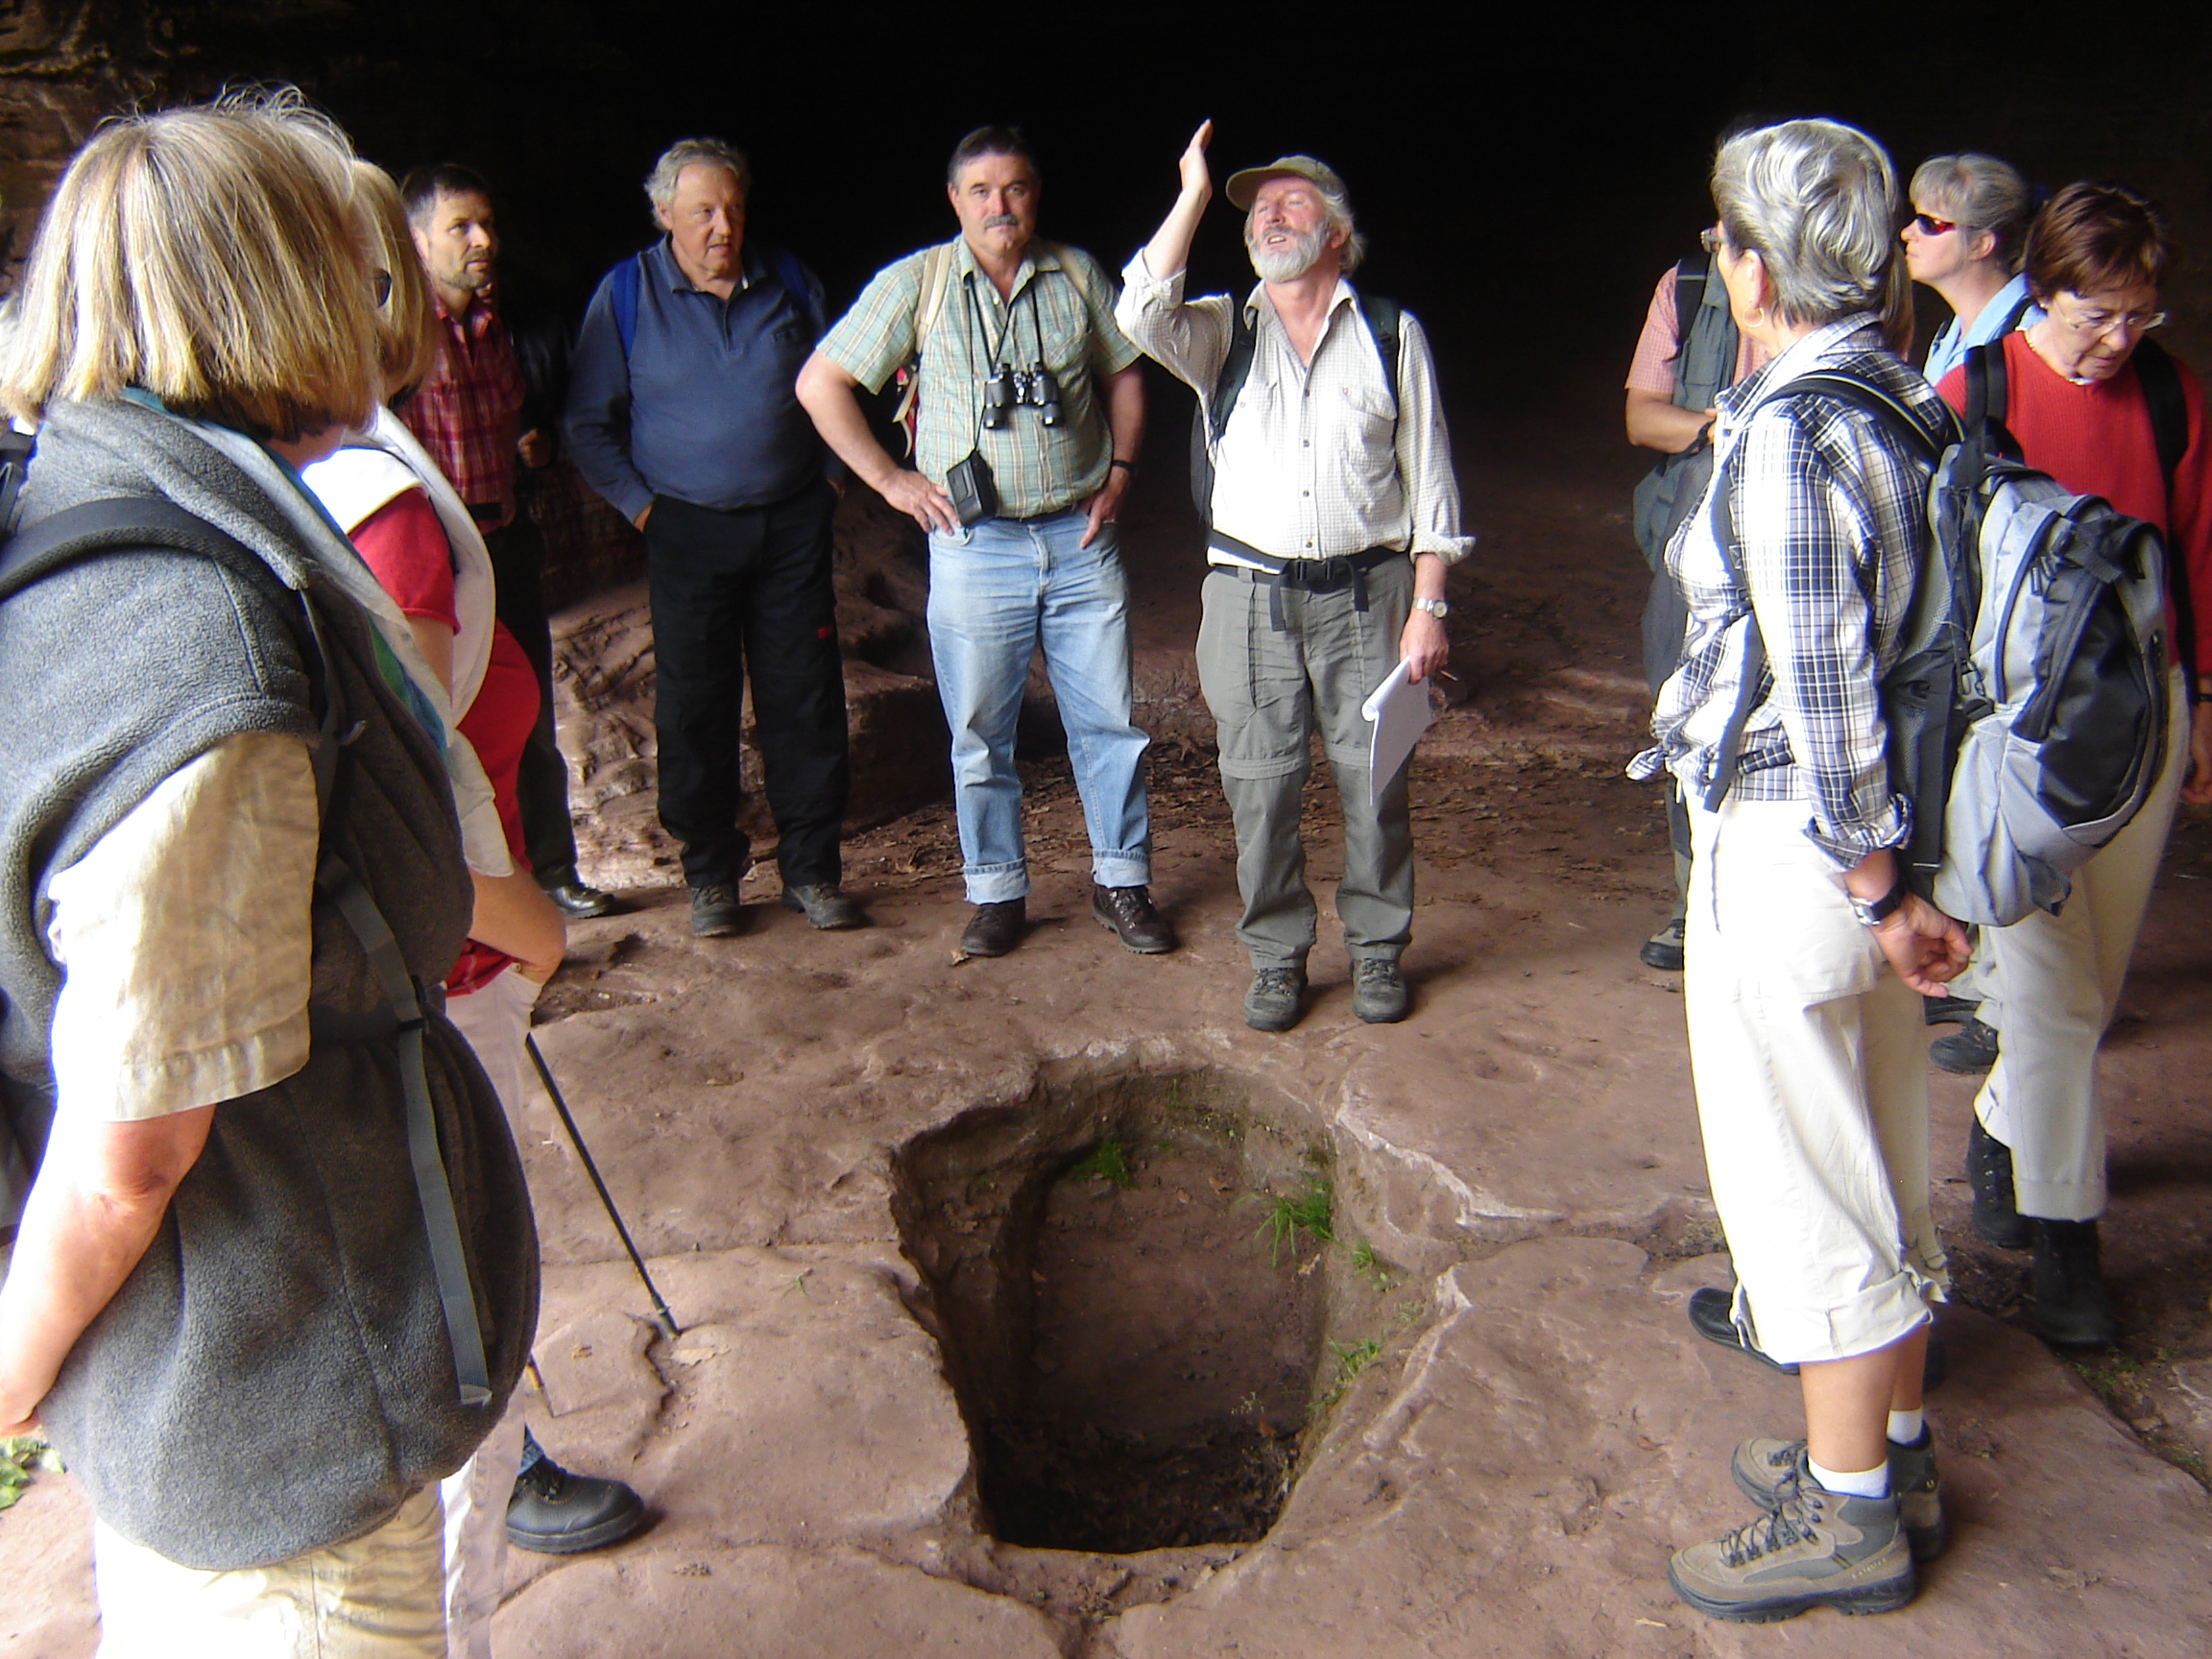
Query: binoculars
(1010,389)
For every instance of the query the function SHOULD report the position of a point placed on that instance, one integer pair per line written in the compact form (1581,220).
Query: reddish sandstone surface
(1538,1426)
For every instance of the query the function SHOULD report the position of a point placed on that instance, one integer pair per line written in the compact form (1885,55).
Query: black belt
(1306,575)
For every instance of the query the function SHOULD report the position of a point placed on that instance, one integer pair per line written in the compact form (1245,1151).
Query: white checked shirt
(1831,526)
(1318,461)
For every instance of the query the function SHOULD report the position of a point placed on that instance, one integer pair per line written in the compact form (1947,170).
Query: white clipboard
(1399,713)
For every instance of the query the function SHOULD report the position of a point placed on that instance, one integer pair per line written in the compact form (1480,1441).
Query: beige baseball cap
(1244,187)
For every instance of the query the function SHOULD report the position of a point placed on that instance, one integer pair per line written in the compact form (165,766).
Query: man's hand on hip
(913,494)
(1423,645)
(1101,508)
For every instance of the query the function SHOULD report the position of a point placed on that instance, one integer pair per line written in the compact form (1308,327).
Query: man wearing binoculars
(1029,410)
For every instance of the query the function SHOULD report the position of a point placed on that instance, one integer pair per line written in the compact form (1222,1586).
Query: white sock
(1871,1482)
(1904,1427)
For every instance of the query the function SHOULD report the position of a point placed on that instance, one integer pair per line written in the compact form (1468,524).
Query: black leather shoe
(1989,1172)
(715,913)
(2072,1308)
(580,899)
(824,905)
(1663,950)
(1969,1050)
(1947,1010)
(555,1513)
(1710,1317)
(995,928)
(1129,913)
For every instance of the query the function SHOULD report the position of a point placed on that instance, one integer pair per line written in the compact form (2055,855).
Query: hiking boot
(1663,950)
(1272,1003)
(1989,1172)
(1766,1470)
(1947,1010)
(1712,1318)
(1379,993)
(2071,1308)
(824,905)
(581,901)
(1128,912)
(995,928)
(555,1513)
(1970,1050)
(715,913)
(1814,1548)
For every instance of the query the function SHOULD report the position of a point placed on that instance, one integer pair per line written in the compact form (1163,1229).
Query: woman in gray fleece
(276,1273)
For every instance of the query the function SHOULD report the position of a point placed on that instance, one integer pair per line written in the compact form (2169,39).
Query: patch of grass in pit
(1108,1160)
(1305,1213)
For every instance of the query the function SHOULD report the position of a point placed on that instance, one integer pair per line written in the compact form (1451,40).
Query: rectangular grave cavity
(1148,1301)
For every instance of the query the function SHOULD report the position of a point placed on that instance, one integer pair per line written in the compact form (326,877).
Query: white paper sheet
(1400,713)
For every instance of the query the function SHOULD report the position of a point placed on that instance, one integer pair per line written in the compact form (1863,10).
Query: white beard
(1288,264)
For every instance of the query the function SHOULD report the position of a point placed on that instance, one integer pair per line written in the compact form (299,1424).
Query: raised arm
(1169,250)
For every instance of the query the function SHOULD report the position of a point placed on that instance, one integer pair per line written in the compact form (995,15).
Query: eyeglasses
(1712,239)
(379,285)
(2099,322)
(1930,226)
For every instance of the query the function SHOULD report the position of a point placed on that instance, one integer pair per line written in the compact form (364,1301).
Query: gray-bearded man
(1332,518)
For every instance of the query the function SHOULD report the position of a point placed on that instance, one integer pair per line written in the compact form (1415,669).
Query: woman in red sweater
(2075,402)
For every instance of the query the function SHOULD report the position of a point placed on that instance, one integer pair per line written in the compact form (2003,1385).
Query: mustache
(1002,220)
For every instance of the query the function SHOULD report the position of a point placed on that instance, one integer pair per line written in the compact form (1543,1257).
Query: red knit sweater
(2096,440)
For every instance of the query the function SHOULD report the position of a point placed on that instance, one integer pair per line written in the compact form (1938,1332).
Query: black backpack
(1210,419)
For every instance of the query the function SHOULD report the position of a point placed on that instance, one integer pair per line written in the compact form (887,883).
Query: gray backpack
(2026,708)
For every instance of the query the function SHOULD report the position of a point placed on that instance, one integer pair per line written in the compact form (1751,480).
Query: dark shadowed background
(1525,172)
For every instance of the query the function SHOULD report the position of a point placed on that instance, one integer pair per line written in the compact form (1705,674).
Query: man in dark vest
(468,415)
(1678,371)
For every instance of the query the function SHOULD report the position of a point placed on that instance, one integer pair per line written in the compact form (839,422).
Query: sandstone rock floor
(975,1254)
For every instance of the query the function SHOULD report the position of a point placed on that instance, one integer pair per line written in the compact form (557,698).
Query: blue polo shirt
(703,406)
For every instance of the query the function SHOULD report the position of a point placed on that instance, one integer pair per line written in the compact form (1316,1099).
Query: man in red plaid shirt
(468,415)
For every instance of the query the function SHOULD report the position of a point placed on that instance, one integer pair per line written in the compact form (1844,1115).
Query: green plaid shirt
(1063,301)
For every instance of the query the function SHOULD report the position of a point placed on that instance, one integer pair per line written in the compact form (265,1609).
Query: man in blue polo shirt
(681,413)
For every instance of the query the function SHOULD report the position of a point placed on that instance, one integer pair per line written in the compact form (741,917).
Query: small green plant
(19,1455)
(1369,1265)
(1308,1213)
(1108,1160)
(1352,1359)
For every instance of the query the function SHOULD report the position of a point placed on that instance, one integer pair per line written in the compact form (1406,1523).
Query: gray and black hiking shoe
(1766,1470)
(1814,1548)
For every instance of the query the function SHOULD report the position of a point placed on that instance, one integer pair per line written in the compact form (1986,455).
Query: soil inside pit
(1146,1302)
(1172,1357)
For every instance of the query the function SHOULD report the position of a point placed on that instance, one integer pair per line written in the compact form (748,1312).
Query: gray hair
(660,183)
(1817,202)
(1336,215)
(1980,193)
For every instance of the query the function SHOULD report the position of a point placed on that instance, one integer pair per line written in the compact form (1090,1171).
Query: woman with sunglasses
(1969,215)
(2077,404)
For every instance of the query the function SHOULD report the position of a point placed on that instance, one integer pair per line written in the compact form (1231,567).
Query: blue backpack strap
(625,280)
(804,291)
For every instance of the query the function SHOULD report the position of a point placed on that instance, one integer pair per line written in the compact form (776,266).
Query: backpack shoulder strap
(627,278)
(802,289)
(1873,401)
(1691,272)
(2161,384)
(936,282)
(1384,320)
(1236,369)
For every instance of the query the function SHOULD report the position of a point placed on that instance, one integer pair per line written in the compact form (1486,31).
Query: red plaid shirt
(466,411)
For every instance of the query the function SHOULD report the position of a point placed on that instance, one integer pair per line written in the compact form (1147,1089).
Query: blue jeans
(997,589)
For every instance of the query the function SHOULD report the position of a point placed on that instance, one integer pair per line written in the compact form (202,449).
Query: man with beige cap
(1332,516)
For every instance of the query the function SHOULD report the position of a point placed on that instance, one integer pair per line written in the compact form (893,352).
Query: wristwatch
(1436,607)
(1873,912)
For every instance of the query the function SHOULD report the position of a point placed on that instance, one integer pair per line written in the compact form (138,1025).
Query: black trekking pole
(662,1317)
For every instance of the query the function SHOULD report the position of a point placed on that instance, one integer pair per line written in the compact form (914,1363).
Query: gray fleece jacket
(275,1376)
